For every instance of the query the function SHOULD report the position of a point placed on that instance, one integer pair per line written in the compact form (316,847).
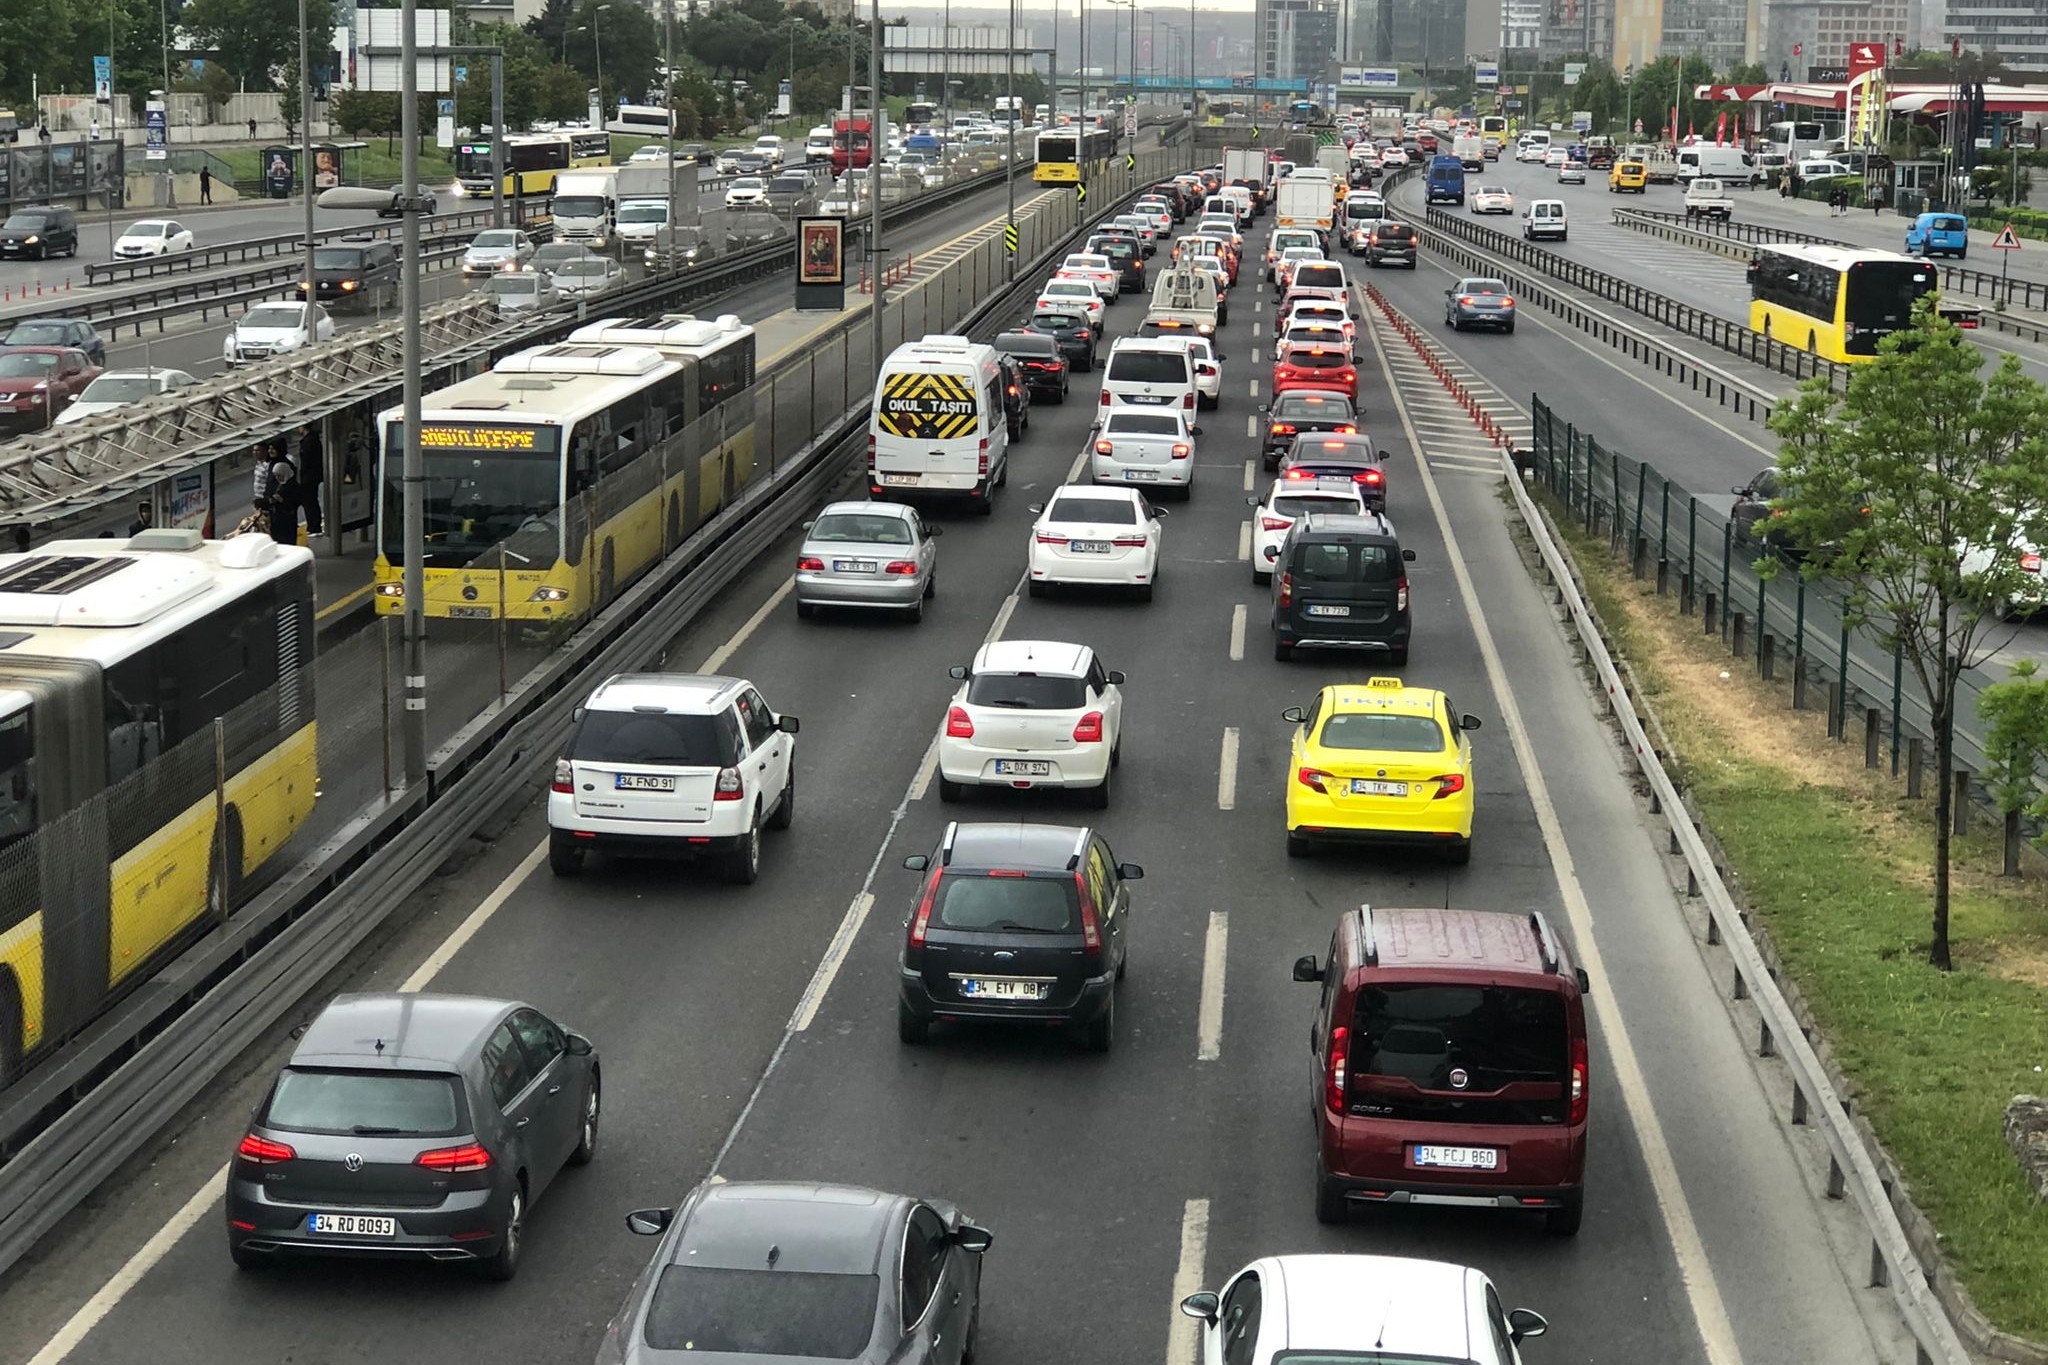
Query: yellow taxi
(1380,763)
(1628,177)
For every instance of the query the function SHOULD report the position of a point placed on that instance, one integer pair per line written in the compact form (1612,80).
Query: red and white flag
(1721,129)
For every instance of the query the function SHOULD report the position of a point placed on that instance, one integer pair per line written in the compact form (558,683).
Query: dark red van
(1449,1064)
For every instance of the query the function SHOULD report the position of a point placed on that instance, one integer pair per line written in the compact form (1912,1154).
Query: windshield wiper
(1010,926)
(371,1130)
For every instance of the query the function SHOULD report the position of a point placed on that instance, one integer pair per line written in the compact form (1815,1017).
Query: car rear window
(1021,343)
(708,1310)
(647,737)
(1390,730)
(1475,1039)
(1106,511)
(1302,505)
(1026,691)
(1143,424)
(1315,358)
(1006,903)
(1311,407)
(1059,320)
(1147,367)
(869,528)
(1345,562)
(365,1103)
(1320,276)
(1394,231)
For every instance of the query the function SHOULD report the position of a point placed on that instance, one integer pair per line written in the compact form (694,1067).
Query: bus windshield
(476,498)
(1881,295)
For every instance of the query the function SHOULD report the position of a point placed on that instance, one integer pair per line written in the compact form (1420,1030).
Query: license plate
(1145,398)
(643,782)
(352,1224)
(1463,1158)
(1023,767)
(853,566)
(1090,547)
(1141,475)
(982,989)
(1365,786)
(899,480)
(469,613)
(1323,610)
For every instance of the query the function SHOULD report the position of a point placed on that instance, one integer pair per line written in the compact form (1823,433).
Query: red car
(1450,1064)
(1299,366)
(39,382)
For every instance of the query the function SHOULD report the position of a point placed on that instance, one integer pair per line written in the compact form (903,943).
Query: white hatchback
(1154,446)
(1032,713)
(1289,499)
(1095,537)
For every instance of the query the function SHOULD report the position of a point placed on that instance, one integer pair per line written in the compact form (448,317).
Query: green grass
(1838,874)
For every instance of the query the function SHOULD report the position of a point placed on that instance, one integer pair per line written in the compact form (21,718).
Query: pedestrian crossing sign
(2007,239)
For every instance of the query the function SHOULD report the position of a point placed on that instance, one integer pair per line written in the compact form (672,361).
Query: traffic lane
(644,957)
(983,1117)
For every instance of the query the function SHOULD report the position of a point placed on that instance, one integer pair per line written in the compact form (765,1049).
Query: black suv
(1126,254)
(1340,581)
(355,274)
(41,231)
(1016,924)
(1076,339)
(1391,243)
(1043,363)
(1302,411)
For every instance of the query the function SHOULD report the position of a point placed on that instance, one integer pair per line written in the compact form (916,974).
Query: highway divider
(101,273)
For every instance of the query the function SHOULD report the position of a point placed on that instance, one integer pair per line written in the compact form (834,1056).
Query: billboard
(1486,73)
(1369,77)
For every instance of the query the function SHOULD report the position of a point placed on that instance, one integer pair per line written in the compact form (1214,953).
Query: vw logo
(1459,1078)
(354,1160)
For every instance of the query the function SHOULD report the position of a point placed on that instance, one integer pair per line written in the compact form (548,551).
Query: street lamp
(1132,6)
(596,32)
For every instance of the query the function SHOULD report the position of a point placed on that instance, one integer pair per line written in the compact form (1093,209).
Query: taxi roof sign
(1396,683)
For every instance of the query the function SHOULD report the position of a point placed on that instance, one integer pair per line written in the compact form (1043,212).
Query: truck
(584,204)
(641,194)
(1336,161)
(1599,152)
(1385,125)
(1306,199)
(1300,148)
(1246,166)
(1662,167)
(1706,197)
(1470,149)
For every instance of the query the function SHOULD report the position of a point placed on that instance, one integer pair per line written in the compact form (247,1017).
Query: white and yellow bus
(132,675)
(1835,302)
(571,468)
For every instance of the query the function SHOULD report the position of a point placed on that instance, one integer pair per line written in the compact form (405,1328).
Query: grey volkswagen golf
(759,1273)
(413,1125)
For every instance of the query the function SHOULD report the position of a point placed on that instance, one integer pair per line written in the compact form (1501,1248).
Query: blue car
(1938,234)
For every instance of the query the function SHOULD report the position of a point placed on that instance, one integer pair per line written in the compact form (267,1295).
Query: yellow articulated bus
(571,468)
(531,161)
(1833,301)
(1064,153)
(133,674)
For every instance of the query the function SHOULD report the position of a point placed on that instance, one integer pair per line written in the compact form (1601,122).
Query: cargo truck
(1307,199)
(584,204)
(642,195)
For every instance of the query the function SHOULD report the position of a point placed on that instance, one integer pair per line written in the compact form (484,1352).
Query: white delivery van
(937,426)
(1730,165)
(1545,218)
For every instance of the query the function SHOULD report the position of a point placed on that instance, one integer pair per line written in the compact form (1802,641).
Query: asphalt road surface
(1113,1183)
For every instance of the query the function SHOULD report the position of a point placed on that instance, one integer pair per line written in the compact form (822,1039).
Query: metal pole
(305,158)
(163,18)
(877,139)
(1052,67)
(1081,94)
(945,73)
(668,100)
(115,177)
(414,724)
(498,139)
(1010,161)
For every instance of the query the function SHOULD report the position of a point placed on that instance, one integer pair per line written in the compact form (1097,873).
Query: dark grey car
(1479,302)
(761,1272)
(413,1125)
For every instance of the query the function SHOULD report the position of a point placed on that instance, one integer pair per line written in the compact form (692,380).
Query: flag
(1898,45)
(1955,47)
(1721,129)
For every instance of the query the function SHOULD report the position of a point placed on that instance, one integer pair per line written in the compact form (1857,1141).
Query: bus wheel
(224,869)
(1812,343)
(675,521)
(607,574)
(10,1031)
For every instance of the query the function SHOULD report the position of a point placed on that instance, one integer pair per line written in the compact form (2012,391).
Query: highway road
(1113,1183)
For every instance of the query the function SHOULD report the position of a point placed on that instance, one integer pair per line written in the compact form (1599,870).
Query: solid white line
(1209,1015)
(1182,1333)
(476,920)
(996,627)
(923,782)
(1695,1269)
(835,954)
(1251,475)
(1226,771)
(1237,619)
(1244,541)
(732,646)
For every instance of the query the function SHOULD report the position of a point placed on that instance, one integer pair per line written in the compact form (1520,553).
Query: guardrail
(99,273)
(225,992)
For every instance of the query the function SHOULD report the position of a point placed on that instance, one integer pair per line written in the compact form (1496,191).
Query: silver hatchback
(873,555)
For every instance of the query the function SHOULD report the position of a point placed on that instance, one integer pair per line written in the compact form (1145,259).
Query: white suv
(1033,713)
(673,765)
(1380,1307)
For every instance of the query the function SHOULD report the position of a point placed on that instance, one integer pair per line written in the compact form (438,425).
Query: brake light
(470,1156)
(1346,429)
(923,917)
(1507,301)
(809,564)
(1401,595)
(959,725)
(1091,927)
(1105,398)
(981,457)
(1283,428)
(1450,784)
(263,1152)
(564,777)
(1333,1084)
(1104,448)
(1313,778)
(1013,390)
(1464,300)
(1286,589)
(1129,542)
(729,787)
(1581,1081)
(901,567)
(1182,450)
(1275,523)
(871,454)
(1187,400)
(1369,476)
(1088,729)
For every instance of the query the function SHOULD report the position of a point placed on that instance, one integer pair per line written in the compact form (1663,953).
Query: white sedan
(1032,713)
(271,329)
(1319,312)
(588,275)
(152,237)
(1288,499)
(749,191)
(1095,537)
(119,388)
(1066,295)
(1099,271)
(1144,446)
(1555,158)
(497,249)
(1493,199)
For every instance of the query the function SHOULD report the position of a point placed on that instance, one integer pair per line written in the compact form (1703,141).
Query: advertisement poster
(326,167)
(1486,73)
(158,145)
(823,259)
(191,499)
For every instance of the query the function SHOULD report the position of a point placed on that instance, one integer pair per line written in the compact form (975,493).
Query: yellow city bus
(571,467)
(1832,301)
(1494,128)
(532,161)
(1063,153)
(135,674)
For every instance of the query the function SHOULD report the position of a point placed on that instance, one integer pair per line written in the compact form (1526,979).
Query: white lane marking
(1251,427)
(1255,329)
(835,954)
(473,924)
(1002,621)
(1209,1016)
(1080,460)
(1244,541)
(1182,1332)
(1251,475)
(1259,305)
(1254,388)
(925,769)
(1237,613)
(1226,771)
(732,646)
(1695,1269)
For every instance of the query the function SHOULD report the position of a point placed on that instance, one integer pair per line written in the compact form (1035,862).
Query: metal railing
(99,273)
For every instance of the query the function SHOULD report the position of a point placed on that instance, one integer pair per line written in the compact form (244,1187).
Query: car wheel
(1460,853)
(1116,753)
(1101,1031)
(785,809)
(1035,588)
(565,859)
(586,1131)
(911,1031)
(505,1264)
(1145,591)
(805,611)
(1282,651)
(1331,1205)
(1297,845)
(1564,1220)
(972,1341)
(1062,400)
(1261,578)
(949,790)
(1098,795)
(1509,329)
(743,864)
(1398,657)
(931,585)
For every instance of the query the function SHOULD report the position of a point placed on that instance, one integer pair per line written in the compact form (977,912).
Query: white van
(1149,372)
(937,426)
(1544,218)
(1729,164)
(1532,146)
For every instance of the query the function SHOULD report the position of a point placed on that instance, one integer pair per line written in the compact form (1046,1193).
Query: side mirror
(1468,722)
(1194,431)
(809,524)
(1294,715)
(1305,969)
(579,1046)
(1203,1305)
(973,1239)
(918,862)
(1272,554)
(1251,502)
(1407,556)
(577,715)
(787,724)
(1130,872)
(957,672)
(1116,677)
(1037,508)
(1524,1323)
(649,1222)
(1585,982)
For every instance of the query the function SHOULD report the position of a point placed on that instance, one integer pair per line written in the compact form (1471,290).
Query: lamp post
(1132,6)
(306,159)
(877,140)
(946,71)
(596,32)
(1010,159)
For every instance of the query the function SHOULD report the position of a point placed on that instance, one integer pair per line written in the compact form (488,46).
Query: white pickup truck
(1706,197)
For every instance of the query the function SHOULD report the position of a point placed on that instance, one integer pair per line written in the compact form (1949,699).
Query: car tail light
(1275,523)
(469,1156)
(1044,539)
(729,786)
(564,777)
(981,457)
(871,454)
(923,915)
(1371,476)
(959,725)
(1581,1081)
(902,568)
(1286,589)
(1401,595)
(2030,562)
(1449,784)
(1105,398)
(1313,778)
(1181,450)
(263,1151)
(1104,448)
(1187,400)
(1333,1076)
(809,564)
(1282,429)
(1085,334)
(1346,429)
(1088,729)
(1091,927)
(1129,542)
